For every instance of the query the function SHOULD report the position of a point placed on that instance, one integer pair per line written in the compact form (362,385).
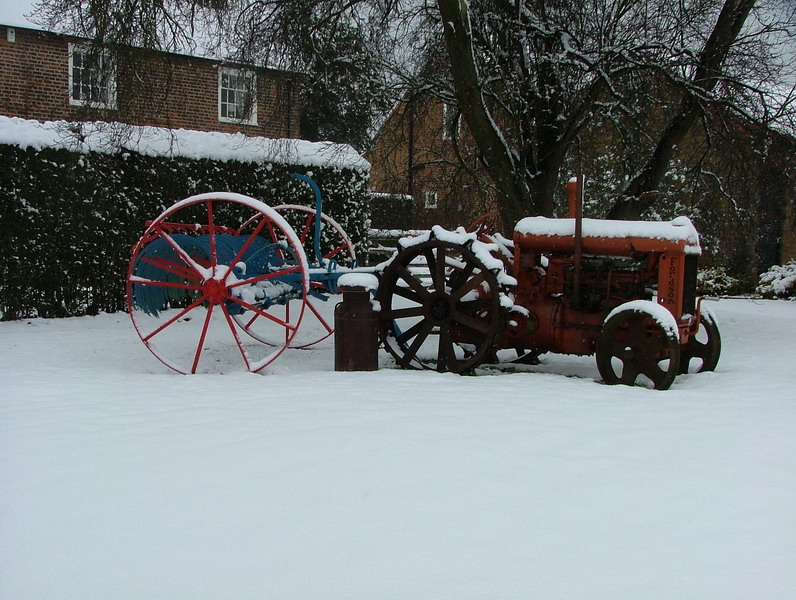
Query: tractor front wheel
(639,344)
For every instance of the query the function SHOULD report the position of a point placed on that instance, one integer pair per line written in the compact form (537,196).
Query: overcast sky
(12,12)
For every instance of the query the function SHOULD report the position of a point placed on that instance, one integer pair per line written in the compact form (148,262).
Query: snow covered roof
(111,138)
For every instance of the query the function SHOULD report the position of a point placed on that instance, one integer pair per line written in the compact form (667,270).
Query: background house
(49,77)
(416,154)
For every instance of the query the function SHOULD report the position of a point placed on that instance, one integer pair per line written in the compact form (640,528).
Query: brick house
(415,155)
(49,76)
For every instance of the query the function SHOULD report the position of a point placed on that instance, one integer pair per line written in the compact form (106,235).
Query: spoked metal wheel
(440,308)
(333,245)
(702,351)
(334,241)
(203,263)
(634,347)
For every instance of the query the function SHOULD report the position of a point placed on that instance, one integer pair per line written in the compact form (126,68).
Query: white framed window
(431,199)
(92,78)
(237,96)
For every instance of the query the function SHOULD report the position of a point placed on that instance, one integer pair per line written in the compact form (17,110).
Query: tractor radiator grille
(689,284)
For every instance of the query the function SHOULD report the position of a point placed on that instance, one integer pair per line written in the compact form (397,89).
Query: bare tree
(531,75)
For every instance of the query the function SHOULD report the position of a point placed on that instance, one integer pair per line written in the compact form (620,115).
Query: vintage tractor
(622,290)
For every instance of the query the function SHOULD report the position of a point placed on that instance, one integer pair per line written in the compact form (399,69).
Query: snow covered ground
(121,480)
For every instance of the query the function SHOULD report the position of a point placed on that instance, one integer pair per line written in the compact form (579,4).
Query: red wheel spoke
(305,231)
(174,319)
(233,330)
(336,251)
(184,255)
(249,241)
(172,267)
(320,318)
(272,232)
(168,284)
(202,336)
(263,313)
(251,321)
(287,320)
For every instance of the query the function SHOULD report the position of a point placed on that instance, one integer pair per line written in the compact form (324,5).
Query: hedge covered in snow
(73,206)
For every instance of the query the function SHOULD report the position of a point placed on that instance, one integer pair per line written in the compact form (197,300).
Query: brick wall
(411,156)
(165,90)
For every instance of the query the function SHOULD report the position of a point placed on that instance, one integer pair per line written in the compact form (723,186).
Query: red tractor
(624,291)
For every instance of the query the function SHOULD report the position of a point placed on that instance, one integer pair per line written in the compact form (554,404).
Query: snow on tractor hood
(625,237)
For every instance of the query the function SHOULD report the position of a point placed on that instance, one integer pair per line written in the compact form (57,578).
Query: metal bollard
(356,325)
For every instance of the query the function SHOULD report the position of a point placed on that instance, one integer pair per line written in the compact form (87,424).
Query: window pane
(236,96)
(92,79)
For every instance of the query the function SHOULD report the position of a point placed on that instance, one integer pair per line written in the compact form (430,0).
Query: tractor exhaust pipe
(575,197)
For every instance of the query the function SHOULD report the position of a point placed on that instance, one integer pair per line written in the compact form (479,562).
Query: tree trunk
(636,197)
(514,195)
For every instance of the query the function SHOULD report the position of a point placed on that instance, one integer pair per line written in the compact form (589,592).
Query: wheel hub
(440,308)
(215,291)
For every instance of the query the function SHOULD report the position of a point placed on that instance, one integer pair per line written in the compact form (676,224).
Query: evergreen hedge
(69,220)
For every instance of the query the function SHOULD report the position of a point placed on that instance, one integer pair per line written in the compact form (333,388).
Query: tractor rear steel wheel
(201,264)
(633,346)
(702,351)
(439,308)
(334,245)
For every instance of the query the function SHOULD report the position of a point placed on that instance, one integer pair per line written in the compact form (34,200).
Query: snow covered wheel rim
(201,263)
(634,345)
(440,308)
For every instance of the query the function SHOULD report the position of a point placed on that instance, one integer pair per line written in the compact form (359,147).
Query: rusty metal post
(356,325)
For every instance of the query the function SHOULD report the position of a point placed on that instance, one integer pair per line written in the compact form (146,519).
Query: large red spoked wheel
(205,262)
(335,245)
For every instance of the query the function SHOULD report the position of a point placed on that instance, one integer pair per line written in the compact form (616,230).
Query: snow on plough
(624,291)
